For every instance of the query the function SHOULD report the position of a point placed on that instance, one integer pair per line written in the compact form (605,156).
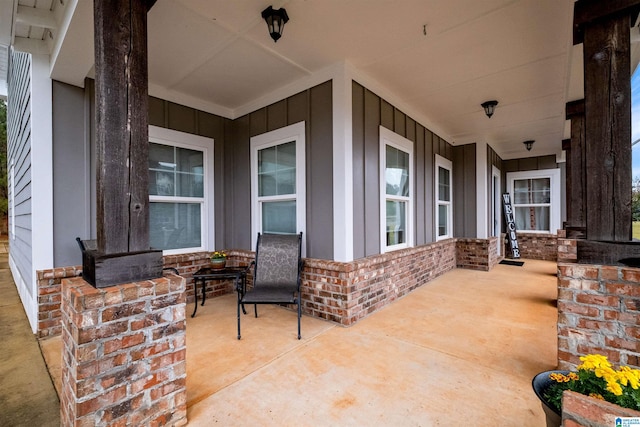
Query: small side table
(204,274)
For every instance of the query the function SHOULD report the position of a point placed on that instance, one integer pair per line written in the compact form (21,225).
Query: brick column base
(124,353)
(579,410)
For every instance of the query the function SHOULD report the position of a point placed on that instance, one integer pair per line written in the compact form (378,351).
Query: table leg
(195,297)
(204,288)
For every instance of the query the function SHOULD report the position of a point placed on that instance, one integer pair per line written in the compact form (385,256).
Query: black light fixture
(529,144)
(275,21)
(489,107)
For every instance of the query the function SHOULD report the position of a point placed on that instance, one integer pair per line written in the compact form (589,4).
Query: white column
(42,163)
(482,192)
(342,166)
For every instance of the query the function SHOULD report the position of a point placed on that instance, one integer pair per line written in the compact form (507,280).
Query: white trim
(555,205)
(394,140)
(292,133)
(482,192)
(496,213)
(445,164)
(206,145)
(342,166)
(41,165)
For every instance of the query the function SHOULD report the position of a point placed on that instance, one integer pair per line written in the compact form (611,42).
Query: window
(396,207)
(535,196)
(278,181)
(444,208)
(180,191)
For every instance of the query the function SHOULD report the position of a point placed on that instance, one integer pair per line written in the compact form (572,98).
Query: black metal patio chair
(276,273)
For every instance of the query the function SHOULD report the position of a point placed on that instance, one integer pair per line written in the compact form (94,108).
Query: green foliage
(635,199)
(597,378)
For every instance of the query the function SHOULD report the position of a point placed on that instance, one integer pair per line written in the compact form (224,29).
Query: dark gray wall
(370,112)
(315,107)
(464,191)
(71,173)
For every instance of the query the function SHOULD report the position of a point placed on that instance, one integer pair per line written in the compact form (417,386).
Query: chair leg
(299,316)
(239,316)
(255,308)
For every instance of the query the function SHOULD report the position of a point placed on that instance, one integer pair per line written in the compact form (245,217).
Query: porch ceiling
(216,55)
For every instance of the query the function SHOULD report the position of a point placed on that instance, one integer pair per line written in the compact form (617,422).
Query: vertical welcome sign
(511,225)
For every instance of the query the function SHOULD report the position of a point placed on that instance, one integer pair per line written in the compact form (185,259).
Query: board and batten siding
(314,107)
(464,191)
(370,111)
(169,115)
(19,159)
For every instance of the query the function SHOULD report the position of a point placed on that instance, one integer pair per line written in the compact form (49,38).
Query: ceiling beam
(43,18)
(587,11)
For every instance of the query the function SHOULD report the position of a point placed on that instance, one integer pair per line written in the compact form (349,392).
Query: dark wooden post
(122,253)
(575,149)
(122,125)
(603,27)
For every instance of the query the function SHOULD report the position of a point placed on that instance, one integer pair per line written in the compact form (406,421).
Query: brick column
(598,312)
(124,353)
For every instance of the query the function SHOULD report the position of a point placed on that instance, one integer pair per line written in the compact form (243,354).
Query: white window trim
(555,207)
(195,142)
(292,133)
(441,162)
(394,140)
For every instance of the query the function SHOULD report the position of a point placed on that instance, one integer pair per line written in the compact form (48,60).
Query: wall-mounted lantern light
(489,107)
(275,21)
(529,144)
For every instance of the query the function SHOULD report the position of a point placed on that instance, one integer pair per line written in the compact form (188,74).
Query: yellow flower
(594,361)
(614,388)
(629,376)
(596,396)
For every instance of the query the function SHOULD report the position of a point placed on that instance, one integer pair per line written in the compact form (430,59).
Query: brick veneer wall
(347,292)
(124,353)
(336,291)
(49,299)
(49,281)
(598,312)
(477,254)
(536,246)
(579,410)
(567,248)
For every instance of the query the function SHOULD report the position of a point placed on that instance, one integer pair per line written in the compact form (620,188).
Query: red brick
(631,274)
(598,300)
(123,310)
(101,401)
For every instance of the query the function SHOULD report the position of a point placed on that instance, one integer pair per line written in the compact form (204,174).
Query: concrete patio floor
(460,350)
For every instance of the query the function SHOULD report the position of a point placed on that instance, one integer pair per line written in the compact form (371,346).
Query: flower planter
(218,263)
(540,383)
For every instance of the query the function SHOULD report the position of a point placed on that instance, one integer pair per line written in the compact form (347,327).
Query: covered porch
(462,347)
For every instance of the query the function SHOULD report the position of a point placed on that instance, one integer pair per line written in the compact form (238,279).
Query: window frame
(293,133)
(441,162)
(189,141)
(394,140)
(555,196)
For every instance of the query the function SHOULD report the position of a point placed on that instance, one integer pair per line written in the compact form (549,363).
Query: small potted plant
(596,378)
(218,259)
